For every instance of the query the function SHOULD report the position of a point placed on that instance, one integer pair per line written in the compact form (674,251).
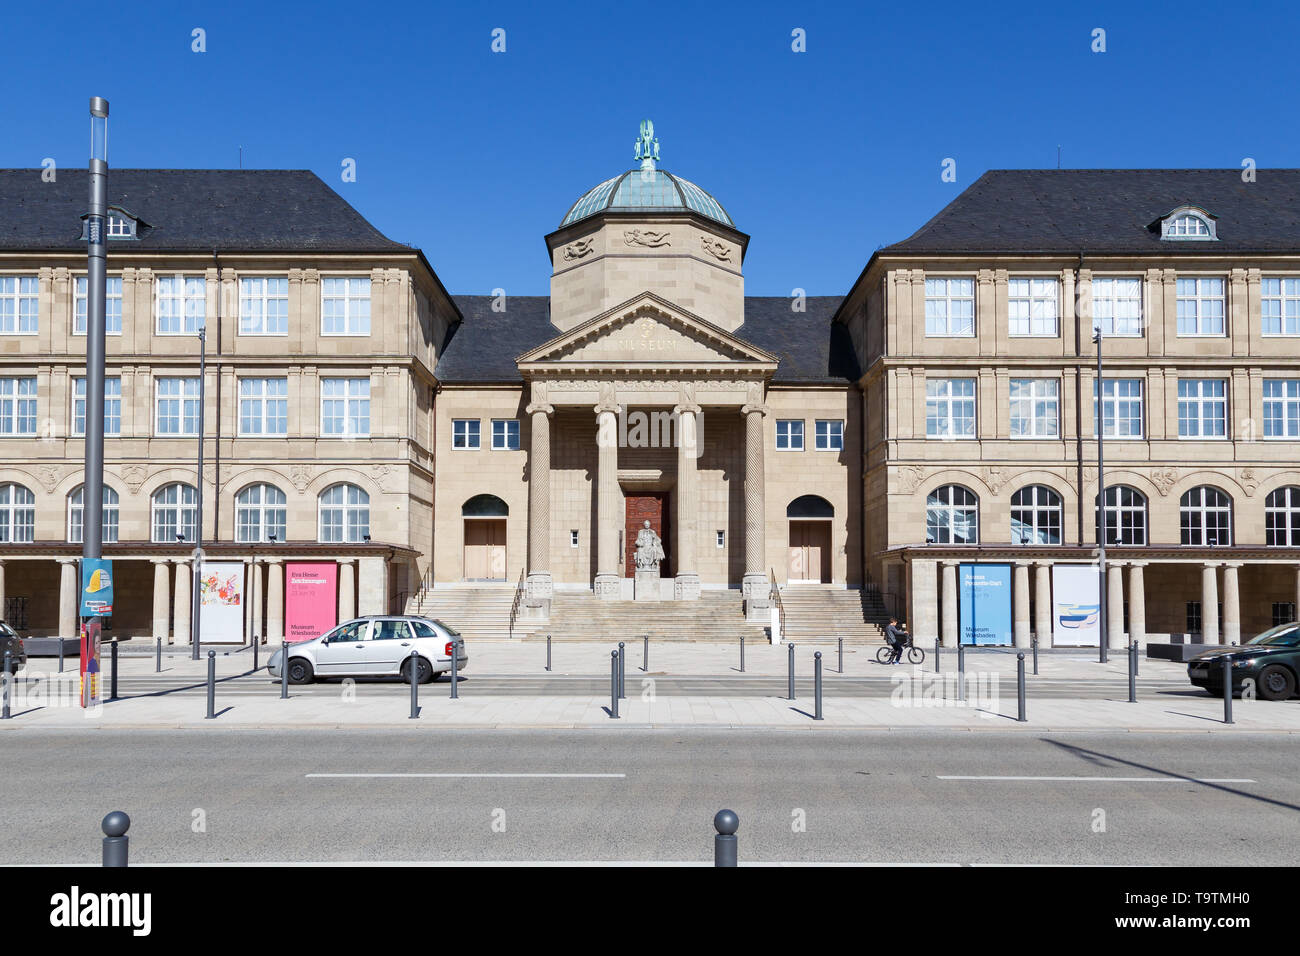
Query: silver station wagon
(377,646)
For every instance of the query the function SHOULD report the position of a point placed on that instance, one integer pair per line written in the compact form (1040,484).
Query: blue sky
(820,156)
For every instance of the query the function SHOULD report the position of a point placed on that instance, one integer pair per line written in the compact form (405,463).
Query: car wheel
(1276,683)
(425,673)
(300,671)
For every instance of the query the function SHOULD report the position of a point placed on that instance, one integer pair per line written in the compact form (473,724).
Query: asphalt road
(894,797)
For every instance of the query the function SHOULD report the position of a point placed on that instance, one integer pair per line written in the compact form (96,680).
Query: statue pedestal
(646,586)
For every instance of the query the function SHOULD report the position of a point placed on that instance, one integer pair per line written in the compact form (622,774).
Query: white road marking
(1106,779)
(580,776)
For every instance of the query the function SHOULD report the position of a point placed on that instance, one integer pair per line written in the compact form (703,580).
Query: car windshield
(6,630)
(1284,635)
(447,627)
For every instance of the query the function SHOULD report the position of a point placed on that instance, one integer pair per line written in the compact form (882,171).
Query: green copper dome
(647,190)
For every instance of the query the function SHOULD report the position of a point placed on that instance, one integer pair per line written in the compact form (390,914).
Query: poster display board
(984,603)
(1076,605)
(221,602)
(311,602)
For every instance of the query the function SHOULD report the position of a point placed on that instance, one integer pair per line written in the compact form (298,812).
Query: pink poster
(310,599)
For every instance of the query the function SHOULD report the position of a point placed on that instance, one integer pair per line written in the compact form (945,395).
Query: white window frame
(1040,297)
(354,322)
(506,438)
(1200,509)
(346,509)
(1046,513)
(1286,294)
(1187,225)
(257,289)
(1287,403)
(1137,504)
(1042,392)
(81,305)
(184,397)
(262,399)
(18,404)
(941,396)
(11,510)
(1200,300)
(1116,386)
(15,290)
(789,431)
(188,296)
(830,438)
(268,515)
(940,289)
(112,405)
(1282,514)
(110,516)
(466,434)
(1193,403)
(1109,292)
(183,509)
(949,509)
(356,406)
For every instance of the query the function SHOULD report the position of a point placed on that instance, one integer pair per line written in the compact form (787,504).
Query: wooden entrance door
(485,549)
(652,507)
(810,552)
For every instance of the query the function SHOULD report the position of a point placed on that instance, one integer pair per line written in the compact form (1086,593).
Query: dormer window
(1188,223)
(121,225)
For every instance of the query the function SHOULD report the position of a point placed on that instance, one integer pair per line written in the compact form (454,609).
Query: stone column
(274,601)
(950,622)
(1115,606)
(539,506)
(68,599)
(923,598)
(608,584)
(2,589)
(1020,599)
(372,590)
(259,627)
(181,606)
(347,591)
(1043,603)
(687,585)
(161,604)
(1231,604)
(1137,603)
(1209,605)
(755,586)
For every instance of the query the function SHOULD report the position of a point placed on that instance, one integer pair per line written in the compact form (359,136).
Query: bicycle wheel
(883,654)
(915,655)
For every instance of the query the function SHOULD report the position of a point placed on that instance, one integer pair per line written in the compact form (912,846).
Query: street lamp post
(92,497)
(196,607)
(1101,504)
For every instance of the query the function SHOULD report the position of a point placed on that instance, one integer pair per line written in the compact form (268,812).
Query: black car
(1270,662)
(11,642)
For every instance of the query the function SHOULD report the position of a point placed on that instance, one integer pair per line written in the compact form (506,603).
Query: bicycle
(913,653)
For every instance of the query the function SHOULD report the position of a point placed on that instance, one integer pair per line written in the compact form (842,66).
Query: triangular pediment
(646,331)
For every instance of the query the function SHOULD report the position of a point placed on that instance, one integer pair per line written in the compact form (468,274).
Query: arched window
(1205,514)
(344,514)
(484,506)
(1036,516)
(952,516)
(810,506)
(1282,518)
(174,513)
(1188,222)
(260,514)
(76,512)
(17,515)
(1126,515)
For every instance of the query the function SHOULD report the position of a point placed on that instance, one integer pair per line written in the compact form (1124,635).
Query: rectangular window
(263,406)
(112,406)
(722,539)
(1280,306)
(789,434)
(950,307)
(345,306)
(176,406)
(17,406)
(1193,617)
(345,407)
(1117,305)
(1282,408)
(1121,407)
(1200,306)
(264,305)
(1035,408)
(1202,408)
(573,537)
(950,408)
(19,304)
(1283,613)
(1032,306)
(112,306)
(464,433)
(180,303)
(830,435)
(505,434)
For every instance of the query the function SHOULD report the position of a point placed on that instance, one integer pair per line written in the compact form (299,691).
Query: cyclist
(897,638)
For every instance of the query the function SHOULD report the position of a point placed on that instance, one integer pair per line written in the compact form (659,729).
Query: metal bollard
(622,663)
(817,685)
(548,652)
(116,842)
(284,670)
(742,653)
(8,683)
(455,674)
(961,670)
(790,673)
(724,841)
(1137,657)
(645,653)
(255,643)
(1035,655)
(613,685)
(1020,687)
(60,653)
(112,677)
(212,684)
(841,669)
(937,647)
(1227,691)
(157,656)
(1132,672)
(414,673)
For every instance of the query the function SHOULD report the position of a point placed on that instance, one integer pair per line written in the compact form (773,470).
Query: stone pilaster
(1043,603)
(608,583)
(1115,606)
(181,605)
(1020,604)
(347,591)
(950,622)
(274,601)
(1210,605)
(68,599)
(755,586)
(1231,604)
(538,605)
(161,604)
(687,585)
(1137,603)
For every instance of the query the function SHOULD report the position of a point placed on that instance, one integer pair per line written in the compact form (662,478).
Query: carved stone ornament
(910,478)
(48,476)
(716,248)
(134,476)
(300,477)
(578,248)
(645,237)
(381,471)
(995,478)
(1249,481)
(1164,479)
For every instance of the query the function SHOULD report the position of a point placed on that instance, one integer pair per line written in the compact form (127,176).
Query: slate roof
(1101,211)
(811,348)
(190,210)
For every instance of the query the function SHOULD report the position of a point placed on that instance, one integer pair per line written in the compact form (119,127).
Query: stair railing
(774,594)
(517,602)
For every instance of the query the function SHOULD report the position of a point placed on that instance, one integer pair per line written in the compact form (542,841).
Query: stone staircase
(581,616)
(477,612)
(824,613)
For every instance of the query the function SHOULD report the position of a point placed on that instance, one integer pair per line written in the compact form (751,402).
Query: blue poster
(984,597)
(96,588)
